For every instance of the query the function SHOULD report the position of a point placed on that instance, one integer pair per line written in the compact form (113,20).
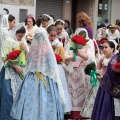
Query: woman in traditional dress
(7,31)
(10,79)
(7,25)
(105,107)
(112,33)
(41,95)
(30,28)
(59,50)
(108,51)
(67,27)
(62,35)
(46,21)
(78,82)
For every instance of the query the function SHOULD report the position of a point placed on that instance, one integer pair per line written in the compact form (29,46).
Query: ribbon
(74,52)
(93,78)
(41,77)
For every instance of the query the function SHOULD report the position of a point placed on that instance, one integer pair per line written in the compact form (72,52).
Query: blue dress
(6,94)
(68,103)
(35,101)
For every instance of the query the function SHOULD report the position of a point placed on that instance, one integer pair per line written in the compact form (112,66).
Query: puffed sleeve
(61,53)
(6,48)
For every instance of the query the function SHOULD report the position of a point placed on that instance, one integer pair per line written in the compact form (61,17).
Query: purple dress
(89,30)
(109,88)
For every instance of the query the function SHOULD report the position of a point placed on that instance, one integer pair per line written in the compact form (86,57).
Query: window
(23,15)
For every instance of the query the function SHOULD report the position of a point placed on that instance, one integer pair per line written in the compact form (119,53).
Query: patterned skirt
(35,101)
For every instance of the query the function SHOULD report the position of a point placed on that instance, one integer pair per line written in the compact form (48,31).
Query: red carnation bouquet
(77,42)
(13,55)
(116,67)
(58,58)
(15,58)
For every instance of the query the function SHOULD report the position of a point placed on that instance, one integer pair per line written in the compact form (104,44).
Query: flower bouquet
(58,58)
(91,70)
(77,42)
(116,67)
(17,57)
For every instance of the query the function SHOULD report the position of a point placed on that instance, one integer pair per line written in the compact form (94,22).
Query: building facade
(98,10)
(19,8)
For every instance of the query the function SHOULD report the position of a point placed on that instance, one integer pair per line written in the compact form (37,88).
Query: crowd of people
(42,69)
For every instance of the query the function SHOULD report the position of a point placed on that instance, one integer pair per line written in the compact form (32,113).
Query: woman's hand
(100,76)
(18,69)
(82,54)
(30,35)
(70,59)
(23,46)
(54,47)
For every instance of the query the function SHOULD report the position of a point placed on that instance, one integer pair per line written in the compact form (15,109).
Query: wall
(115,10)
(67,7)
(95,16)
(14,9)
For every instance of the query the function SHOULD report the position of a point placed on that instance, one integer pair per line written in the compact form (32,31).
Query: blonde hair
(83,19)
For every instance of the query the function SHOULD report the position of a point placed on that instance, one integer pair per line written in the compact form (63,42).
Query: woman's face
(44,24)
(29,22)
(52,35)
(19,36)
(66,25)
(112,30)
(11,24)
(107,50)
(59,29)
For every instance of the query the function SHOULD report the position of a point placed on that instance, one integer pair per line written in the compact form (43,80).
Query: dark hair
(59,23)
(11,18)
(32,20)
(68,22)
(38,22)
(21,30)
(51,28)
(118,24)
(45,18)
(101,25)
(7,11)
(118,46)
(53,17)
(106,20)
(111,44)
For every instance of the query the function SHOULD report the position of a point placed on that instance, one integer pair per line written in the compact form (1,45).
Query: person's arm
(24,47)
(61,53)
(82,54)
(99,66)
(18,69)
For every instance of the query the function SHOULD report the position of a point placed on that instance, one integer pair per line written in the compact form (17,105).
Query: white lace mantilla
(11,74)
